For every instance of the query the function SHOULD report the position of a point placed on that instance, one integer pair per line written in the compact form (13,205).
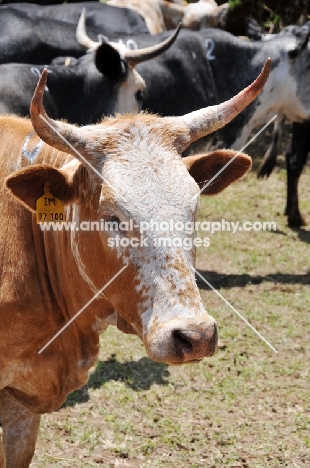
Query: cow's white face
(147,182)
(130,93)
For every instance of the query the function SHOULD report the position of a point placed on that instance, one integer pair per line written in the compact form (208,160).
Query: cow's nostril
(182,341)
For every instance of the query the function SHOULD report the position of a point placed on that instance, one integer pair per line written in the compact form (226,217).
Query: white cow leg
(20,431)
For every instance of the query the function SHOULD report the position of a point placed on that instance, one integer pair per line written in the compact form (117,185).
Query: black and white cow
(208,67)
(298,149)
(109,19)
(211,65)
(102,82)
(296,158)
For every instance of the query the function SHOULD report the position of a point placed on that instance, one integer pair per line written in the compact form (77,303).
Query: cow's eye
(113,219)
(139,96)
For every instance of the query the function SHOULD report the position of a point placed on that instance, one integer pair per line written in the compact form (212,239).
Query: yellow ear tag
(49,209)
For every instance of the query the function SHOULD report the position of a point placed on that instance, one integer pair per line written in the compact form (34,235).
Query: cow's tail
(270,158)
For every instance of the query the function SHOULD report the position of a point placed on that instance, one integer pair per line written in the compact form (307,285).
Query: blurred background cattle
(204,67)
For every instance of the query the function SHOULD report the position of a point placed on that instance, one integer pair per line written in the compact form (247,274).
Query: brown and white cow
(160,15)
(127,167)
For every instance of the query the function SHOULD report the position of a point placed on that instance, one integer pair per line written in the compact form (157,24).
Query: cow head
(135,171)
(117,62)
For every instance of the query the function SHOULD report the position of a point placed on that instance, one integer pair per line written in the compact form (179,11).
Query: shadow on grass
(278,231)
(221,280)
(302,234)
(138,375)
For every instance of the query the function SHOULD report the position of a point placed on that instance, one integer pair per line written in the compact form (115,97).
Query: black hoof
(296,220)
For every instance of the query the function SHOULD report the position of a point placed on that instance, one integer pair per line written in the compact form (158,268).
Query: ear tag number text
(49,208)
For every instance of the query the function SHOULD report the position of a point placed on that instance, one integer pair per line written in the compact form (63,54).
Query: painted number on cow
(49,208)
(130,44)
(210,45)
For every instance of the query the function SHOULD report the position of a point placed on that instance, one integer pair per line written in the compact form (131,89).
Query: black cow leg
(294,217)
(296,158)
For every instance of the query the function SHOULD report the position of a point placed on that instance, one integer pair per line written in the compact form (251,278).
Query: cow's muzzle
(182,340)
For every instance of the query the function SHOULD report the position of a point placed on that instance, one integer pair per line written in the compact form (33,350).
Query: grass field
(245,407)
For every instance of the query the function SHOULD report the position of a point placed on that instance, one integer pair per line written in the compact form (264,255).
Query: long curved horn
(141,55)
(81,35)
(59,135)
(205,121)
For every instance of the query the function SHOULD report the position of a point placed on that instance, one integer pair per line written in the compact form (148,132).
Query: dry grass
(245,407)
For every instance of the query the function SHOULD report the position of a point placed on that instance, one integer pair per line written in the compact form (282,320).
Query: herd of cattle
(81,62)
(189,75)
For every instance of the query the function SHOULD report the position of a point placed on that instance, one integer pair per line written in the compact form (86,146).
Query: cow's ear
(203,167)
(108,61)
(27,185)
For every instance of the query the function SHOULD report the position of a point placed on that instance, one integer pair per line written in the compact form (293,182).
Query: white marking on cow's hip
(31,154)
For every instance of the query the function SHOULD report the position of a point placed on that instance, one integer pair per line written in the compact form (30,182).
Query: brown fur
(63,188)
(22,427)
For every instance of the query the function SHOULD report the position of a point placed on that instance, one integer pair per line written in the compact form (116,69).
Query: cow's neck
(72,258)
(66,285)
(51,287)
